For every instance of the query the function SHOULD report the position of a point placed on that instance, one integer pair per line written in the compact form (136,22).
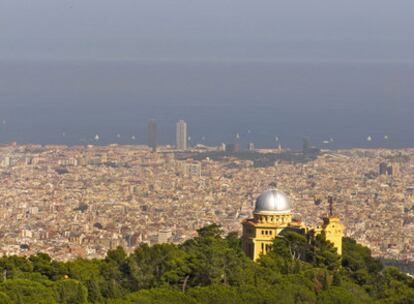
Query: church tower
(332,228)
(334,231)
(272,214)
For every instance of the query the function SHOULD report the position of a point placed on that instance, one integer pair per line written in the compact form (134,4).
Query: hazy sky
(296,30)
(293,68)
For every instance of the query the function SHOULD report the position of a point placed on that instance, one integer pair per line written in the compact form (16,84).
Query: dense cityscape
(206,152)
(81,201)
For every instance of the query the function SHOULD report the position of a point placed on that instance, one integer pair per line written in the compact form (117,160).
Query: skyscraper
(181,135)
(152,134)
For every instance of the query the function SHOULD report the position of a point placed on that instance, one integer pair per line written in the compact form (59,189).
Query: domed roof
(273,201)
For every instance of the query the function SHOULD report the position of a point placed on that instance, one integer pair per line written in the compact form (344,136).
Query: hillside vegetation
(210,269)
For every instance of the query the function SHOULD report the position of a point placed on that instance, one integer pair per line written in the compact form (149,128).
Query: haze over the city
(316,69)
(205,152)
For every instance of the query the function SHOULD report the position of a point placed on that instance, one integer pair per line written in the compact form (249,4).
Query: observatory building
(272,215)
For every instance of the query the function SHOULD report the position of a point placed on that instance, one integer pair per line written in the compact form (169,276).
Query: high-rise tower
(181,135)
(152,134)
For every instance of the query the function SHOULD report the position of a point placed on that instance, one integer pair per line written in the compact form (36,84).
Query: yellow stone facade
(334,231)
(272,215)
(259,232)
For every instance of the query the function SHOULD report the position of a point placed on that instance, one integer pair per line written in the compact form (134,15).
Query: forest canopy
(210,269)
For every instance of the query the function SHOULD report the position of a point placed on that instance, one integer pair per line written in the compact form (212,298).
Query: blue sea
(341,104)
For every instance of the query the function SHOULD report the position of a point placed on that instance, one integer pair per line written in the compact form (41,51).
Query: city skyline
(205,152)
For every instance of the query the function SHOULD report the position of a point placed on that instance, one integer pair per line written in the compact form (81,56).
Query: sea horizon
(70,102)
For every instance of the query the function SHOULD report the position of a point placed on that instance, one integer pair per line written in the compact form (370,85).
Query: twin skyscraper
(181,135)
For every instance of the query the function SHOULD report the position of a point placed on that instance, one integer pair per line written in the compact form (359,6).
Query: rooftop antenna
(330,202)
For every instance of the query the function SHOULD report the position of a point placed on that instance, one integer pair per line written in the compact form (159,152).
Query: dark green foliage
(117,256)
(24,291)
(357,257)
(42,263)
(11,266)
(337,295)
(94,291)
(292,250)
(150,267)
(212,260)
(362,268)
(88,273)
(394,287)
(70,291)
(215,294)
(323,253)
(5,299)
(156,296)
(211,268)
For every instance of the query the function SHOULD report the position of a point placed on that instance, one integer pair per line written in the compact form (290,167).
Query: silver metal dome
(273,201)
